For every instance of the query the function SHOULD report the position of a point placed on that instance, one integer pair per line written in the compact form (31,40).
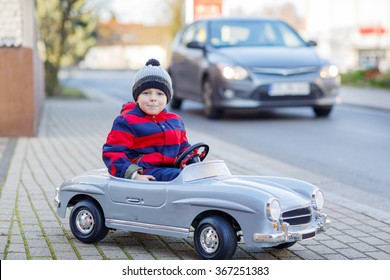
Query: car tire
(86,222)
(284,245)
(215,239)
(210,110)
(323,111)
(176,103)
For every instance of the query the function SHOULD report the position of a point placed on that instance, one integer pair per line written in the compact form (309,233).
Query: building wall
(123,57)
(17,105)
(349,32)
(21,70)
(127,46)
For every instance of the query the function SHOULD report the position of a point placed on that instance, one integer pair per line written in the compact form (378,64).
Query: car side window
(201,33)
(195,32)
(188,35)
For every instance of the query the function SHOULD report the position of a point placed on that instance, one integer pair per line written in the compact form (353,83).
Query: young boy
(146,139)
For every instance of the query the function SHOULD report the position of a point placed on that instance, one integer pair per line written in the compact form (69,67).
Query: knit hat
(152,75)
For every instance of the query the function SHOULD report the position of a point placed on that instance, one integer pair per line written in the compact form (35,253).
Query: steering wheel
(192,154)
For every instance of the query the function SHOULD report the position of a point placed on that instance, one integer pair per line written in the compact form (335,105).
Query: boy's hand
(144,177)
(188,158)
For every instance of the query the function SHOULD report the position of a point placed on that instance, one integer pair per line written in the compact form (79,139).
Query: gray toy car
(205,201)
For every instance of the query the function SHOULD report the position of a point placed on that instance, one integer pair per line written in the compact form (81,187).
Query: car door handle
(133,200)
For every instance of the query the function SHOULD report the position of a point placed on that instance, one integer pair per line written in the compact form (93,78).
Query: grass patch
(366,78)
(71,93)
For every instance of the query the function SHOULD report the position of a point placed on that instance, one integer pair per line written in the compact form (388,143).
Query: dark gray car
(250,63)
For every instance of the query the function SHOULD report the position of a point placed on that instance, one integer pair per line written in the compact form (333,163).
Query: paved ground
(69,143)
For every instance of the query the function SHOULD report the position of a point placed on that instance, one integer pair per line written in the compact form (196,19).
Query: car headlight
(232,72)
(273,210)
(317,199)
(329,71)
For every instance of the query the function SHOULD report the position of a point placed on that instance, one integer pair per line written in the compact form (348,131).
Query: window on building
(371,58)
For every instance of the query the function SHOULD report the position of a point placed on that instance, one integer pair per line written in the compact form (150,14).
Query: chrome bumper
(57,202)
(285,235)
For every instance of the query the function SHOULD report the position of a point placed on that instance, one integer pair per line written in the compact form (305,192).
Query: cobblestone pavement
(69,143)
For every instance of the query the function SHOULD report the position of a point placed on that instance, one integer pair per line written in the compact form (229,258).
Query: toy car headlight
(273,210)
(317,199)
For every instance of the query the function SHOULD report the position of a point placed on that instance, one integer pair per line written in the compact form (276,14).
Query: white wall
(123,57)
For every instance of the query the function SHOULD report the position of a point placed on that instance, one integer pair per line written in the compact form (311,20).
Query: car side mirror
(196,45)
(311,43)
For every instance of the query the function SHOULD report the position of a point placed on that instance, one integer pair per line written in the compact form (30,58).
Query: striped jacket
(138,140)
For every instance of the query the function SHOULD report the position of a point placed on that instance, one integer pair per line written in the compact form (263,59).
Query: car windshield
(253,33)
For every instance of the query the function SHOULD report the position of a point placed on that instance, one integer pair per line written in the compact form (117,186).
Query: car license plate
(282,89)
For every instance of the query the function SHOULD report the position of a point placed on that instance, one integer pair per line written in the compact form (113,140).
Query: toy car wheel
(215,238)
(284,245)
(87,222)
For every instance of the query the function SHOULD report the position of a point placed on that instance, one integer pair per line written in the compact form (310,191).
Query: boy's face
(152,101)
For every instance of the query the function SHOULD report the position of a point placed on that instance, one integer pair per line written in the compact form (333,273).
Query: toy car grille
(297,216)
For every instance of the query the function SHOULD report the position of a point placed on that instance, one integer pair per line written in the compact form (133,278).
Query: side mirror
(196,45)
(311,43)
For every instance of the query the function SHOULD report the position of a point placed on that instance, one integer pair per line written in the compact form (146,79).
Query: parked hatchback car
(250,63)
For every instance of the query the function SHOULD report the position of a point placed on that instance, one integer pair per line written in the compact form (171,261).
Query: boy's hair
(152,75)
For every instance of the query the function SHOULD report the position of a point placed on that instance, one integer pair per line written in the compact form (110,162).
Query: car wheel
(86,222)
(176,103)
(284,245)
(210,110)
(215,239)
(322,111)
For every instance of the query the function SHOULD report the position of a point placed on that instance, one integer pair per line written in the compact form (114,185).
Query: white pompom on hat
(152,75)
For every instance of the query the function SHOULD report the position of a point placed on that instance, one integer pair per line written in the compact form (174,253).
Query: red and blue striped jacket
(144,140)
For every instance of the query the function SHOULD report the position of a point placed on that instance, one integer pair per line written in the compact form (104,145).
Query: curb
(5,160)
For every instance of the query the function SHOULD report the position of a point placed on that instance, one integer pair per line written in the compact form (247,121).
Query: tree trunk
(53,87)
